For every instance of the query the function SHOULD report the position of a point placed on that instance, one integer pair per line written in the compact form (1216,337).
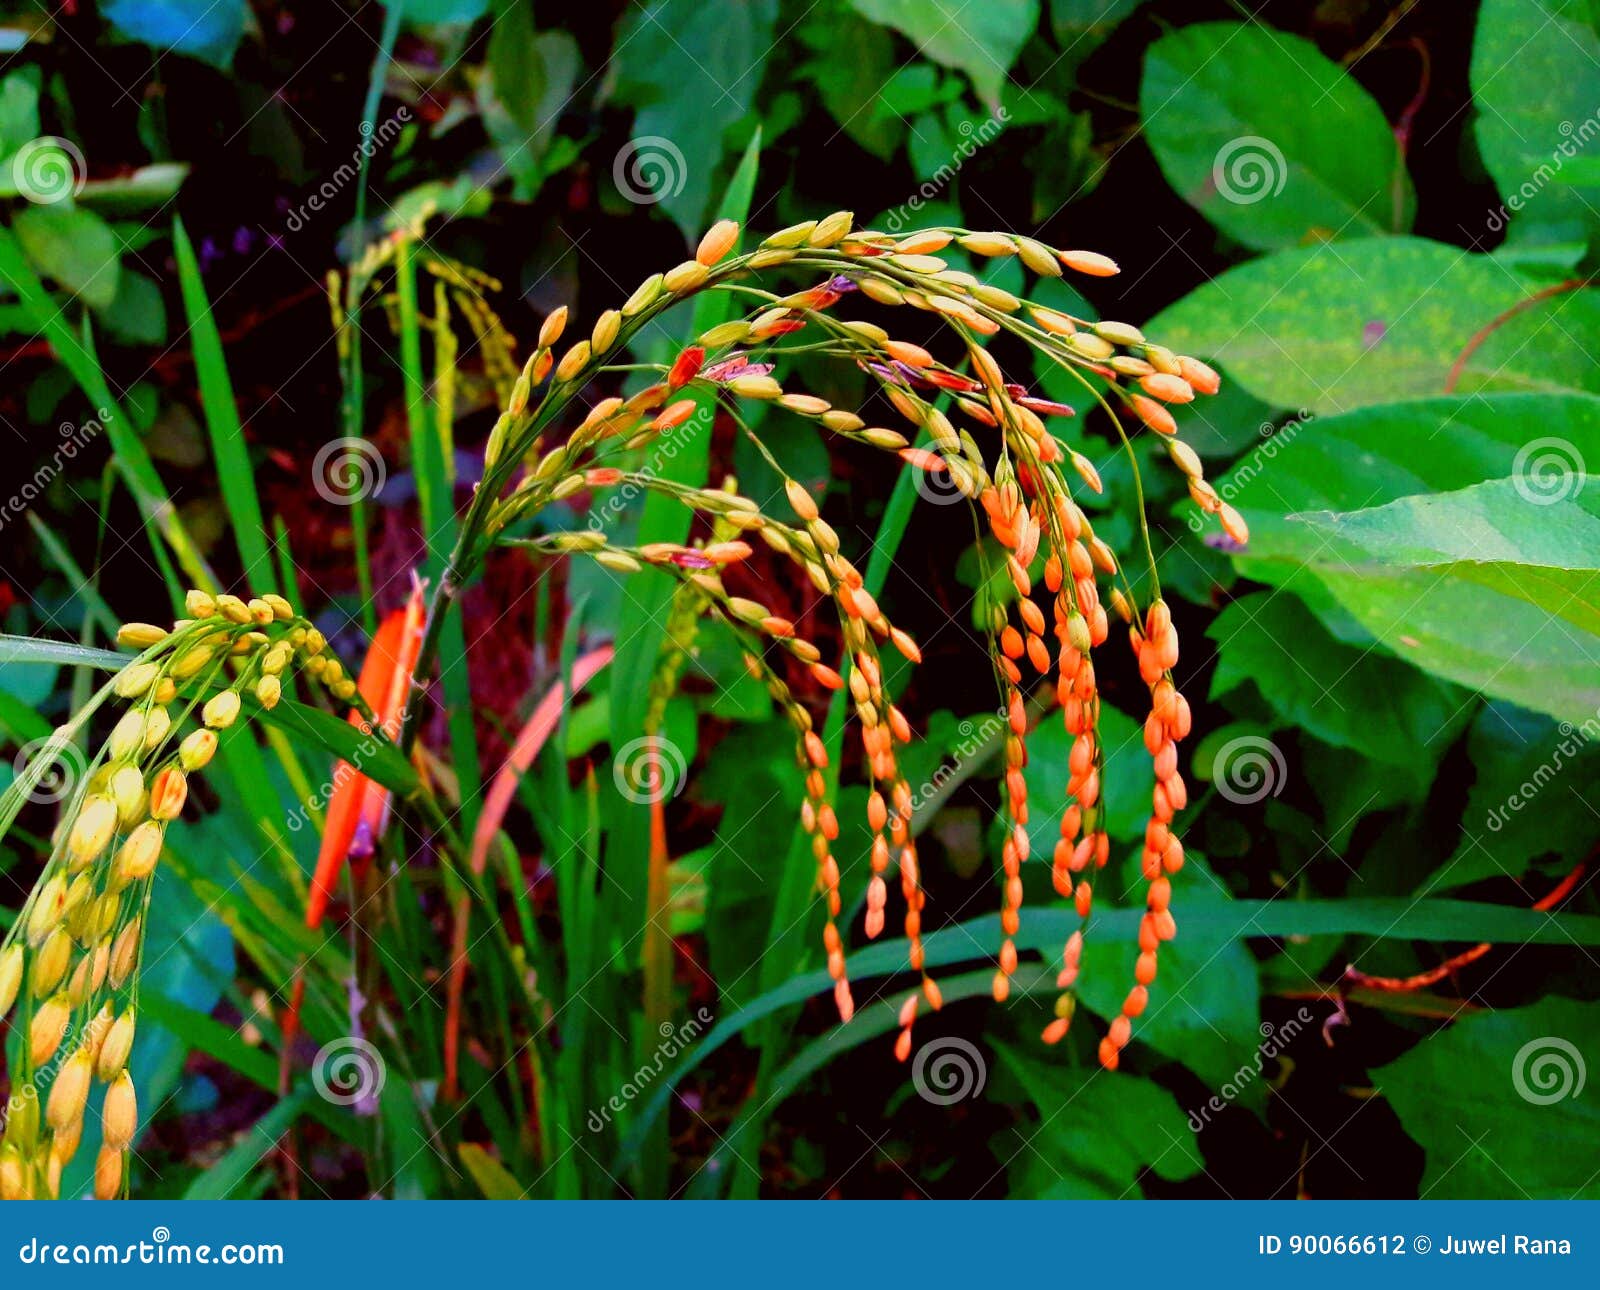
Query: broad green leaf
(1536,86)
(853,61)
(1493,586)
(1530,797)
(1533,1067)
(209,30)
(1205,1009)
(1269,140)
(1333,328)
(1096,1133)
(73,247)
(1326,688)
(19,110)
(1125,784)
(138,313)
(1080,26)
(691,68)
(982,40)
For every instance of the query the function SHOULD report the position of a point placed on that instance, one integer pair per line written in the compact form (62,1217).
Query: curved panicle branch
(981,434)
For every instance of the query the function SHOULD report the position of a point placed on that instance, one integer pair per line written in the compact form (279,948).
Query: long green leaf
(234,472)
(220,1180)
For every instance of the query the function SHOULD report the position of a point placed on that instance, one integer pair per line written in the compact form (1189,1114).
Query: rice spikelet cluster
(987,437)
(69,967)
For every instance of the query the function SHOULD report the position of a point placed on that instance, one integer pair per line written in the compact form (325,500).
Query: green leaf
(1081,26)
(1046,930)
(982,40)
(209,30)
(73,247)
(138,313)
(691,67)
(221,1178)
(1530,1067)
(234,471)
(515,65)
(1332,328)
(1205,1010)
(1492,586)
(854,60)
(19,109)
(1534,84)
(1096,1133)
(1326,688)
(1269,140)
